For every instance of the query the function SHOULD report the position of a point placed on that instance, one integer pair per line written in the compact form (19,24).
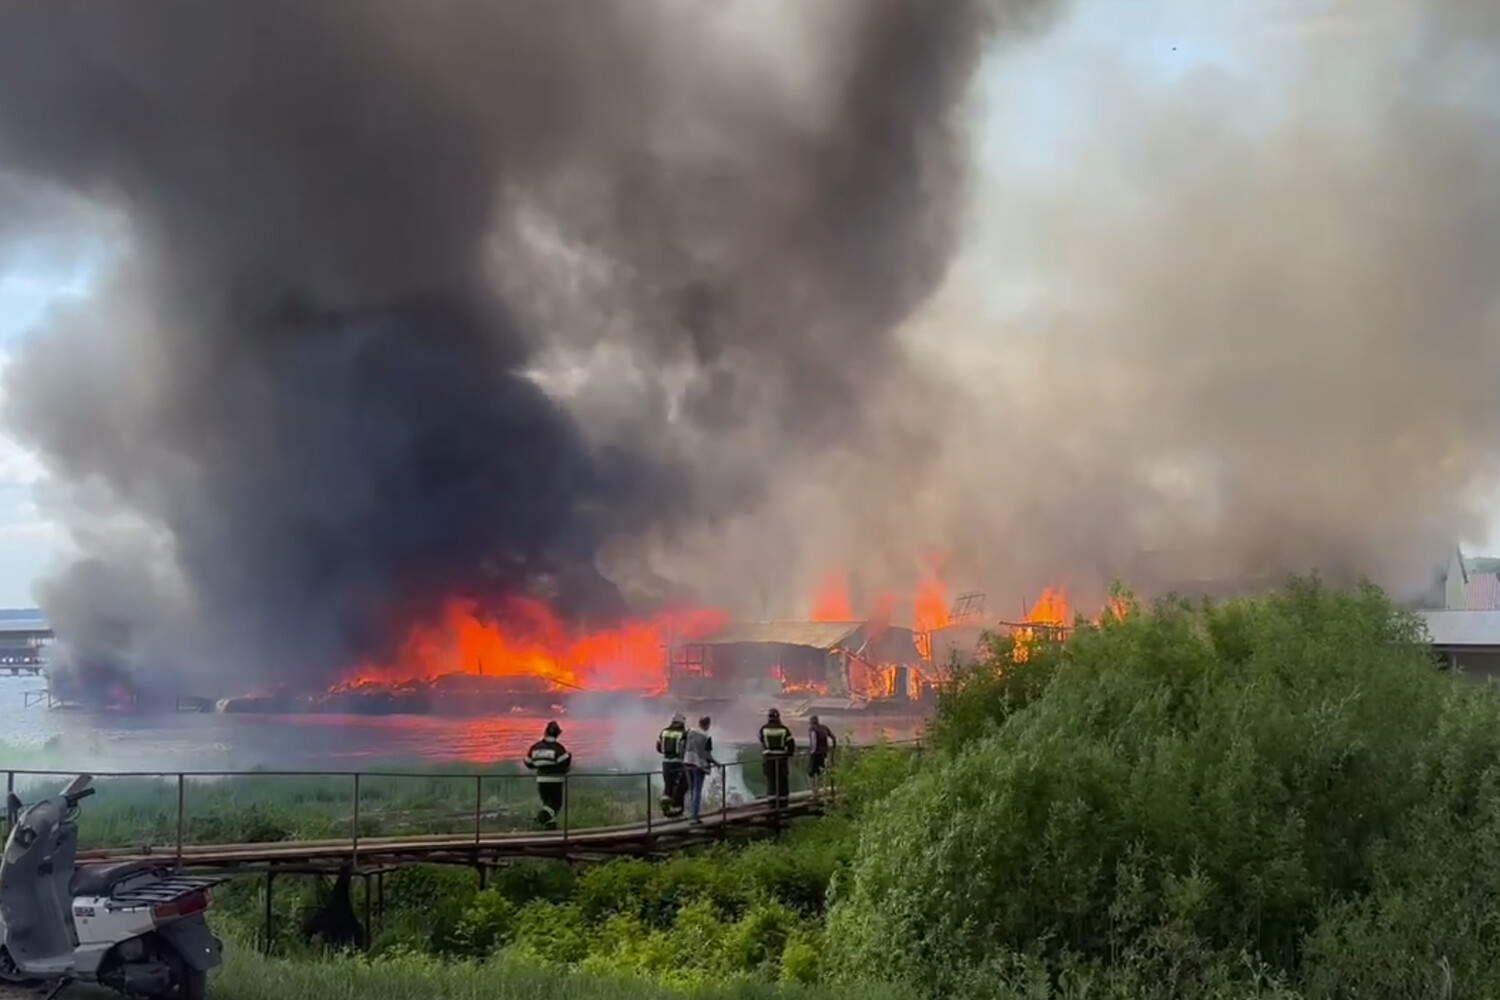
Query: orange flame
(831,602)
(1049,614)
(526,642)
(930,604)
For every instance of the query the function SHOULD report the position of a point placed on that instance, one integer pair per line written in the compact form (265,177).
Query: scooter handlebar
(77,797)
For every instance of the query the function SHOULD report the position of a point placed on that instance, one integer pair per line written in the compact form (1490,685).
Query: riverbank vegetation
(1280,797)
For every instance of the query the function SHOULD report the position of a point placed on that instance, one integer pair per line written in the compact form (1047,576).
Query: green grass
(247,976)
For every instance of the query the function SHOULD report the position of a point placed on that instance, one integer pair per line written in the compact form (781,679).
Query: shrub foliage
(1191,796)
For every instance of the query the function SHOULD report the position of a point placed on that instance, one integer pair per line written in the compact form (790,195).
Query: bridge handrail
(179,842)
(914,742)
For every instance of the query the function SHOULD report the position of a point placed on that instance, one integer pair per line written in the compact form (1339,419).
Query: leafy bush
(488,922)
(1175,796)
(864,777)
(552,933)
(406,975)
(801,958)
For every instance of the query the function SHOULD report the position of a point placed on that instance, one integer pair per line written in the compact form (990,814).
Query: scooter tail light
(185,906)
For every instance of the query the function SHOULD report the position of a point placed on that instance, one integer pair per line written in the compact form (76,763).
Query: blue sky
(28,543)
(1029,100)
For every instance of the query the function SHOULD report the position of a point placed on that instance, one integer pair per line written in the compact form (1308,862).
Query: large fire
(523,641)
(522,645)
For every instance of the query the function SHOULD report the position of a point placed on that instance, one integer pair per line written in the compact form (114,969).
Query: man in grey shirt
(698,758)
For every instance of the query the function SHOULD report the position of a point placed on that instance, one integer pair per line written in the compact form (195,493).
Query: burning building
(818,665)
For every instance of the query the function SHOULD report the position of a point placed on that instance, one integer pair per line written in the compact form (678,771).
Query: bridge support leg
(369,927)
(270,911)
(484,877)
(334,921)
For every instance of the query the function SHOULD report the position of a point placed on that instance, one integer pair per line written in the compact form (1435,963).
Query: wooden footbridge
(378,805)
(478,850)
(443,803)
(493,799)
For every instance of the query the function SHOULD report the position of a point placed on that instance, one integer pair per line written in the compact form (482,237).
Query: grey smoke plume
(303,411)
(1262,325)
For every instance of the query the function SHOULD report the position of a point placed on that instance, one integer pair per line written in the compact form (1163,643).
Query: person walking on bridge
(821,743)
(550,761)
(776,749)
(671,743)
(698,759)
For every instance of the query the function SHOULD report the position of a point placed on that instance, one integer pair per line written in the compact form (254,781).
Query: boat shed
(24,638)
(793,657)
(1467,641)
(766,657)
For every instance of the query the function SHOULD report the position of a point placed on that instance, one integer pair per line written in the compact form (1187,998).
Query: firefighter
(671,743)
(551,762)
(776,749)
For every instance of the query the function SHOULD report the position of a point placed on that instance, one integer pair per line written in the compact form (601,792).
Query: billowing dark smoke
(299,414)
(1213,325)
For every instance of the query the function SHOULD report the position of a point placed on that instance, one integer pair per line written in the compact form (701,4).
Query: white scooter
(136,927)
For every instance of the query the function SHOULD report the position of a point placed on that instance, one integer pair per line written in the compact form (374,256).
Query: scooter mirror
(77,786)
(13,804)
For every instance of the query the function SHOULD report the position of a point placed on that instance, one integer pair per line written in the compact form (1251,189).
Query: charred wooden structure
(850,663)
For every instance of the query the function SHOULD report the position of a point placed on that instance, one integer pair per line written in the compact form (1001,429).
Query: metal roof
(1482,592)
(1462,628)
(817,635)
(22,620)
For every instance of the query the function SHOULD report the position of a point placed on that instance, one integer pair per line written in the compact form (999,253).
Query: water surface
(36,737)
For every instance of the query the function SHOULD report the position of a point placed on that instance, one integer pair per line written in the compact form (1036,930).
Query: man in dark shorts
(821,743)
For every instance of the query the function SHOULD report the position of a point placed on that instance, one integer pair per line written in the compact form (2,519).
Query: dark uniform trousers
(776,750)
(674,779)
(551,762)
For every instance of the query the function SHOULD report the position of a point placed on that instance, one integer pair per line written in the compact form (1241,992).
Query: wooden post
(354,839)
(369,927)
(181,813)
(270,913)
(478,806)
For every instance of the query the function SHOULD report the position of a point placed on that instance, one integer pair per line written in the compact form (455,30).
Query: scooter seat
(99,880)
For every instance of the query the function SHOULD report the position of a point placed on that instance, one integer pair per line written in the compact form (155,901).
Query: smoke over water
(1222,326)
(308,405)
(611,302)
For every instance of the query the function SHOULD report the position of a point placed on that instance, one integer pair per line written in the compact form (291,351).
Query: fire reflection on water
(116,741)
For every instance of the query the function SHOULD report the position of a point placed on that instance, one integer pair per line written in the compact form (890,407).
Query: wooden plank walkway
(655,837)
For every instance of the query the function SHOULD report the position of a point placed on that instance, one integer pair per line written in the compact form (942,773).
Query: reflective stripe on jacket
(671,743)
(549,759)
(776,741)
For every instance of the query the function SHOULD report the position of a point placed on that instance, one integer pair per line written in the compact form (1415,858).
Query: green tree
(1171,794)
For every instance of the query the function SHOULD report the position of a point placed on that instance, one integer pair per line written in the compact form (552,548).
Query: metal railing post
(354,837)
(478,806)
(10,790)
(181,813)
(648,805)
(565,808)
(723,796)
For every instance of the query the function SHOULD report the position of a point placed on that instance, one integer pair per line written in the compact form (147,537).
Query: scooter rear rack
(163,890)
